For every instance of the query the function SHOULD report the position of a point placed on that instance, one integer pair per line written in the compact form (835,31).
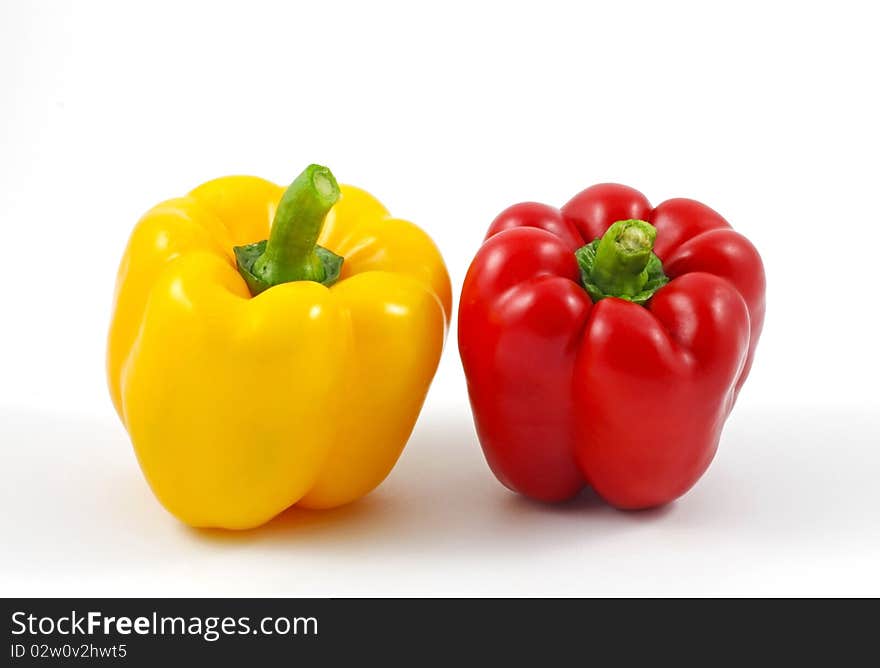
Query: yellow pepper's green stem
(290,253)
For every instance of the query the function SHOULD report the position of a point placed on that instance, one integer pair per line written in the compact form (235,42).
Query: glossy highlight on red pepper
(626,391)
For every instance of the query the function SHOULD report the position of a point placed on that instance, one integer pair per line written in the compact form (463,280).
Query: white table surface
(791,505)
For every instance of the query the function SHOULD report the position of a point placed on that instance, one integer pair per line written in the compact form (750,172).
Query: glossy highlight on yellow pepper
(240,406)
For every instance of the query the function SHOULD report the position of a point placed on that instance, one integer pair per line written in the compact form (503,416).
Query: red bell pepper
(600,354)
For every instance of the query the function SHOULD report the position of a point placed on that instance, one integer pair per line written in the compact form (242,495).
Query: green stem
(620,267)
(622,264)
(290,253)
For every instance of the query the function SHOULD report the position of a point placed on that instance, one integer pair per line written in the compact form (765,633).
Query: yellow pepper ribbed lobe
(238,406)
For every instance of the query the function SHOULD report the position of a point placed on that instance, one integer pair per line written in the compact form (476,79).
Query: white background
(448,113)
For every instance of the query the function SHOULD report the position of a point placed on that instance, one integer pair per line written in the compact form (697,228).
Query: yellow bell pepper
(249,380)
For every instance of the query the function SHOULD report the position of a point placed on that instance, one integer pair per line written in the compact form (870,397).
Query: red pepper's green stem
(290,252)
(622,257)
